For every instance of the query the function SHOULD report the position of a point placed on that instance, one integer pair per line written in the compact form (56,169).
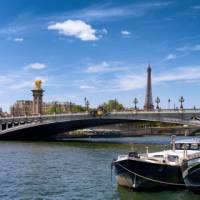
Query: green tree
(113,105)
(77,108)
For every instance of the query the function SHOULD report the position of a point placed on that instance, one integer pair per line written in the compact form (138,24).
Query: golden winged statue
(38,84)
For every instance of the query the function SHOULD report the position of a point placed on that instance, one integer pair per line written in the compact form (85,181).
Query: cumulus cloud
(36,66)
(18,40)
(76,28)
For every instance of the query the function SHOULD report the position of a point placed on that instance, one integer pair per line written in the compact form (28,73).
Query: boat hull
(192,178)
(141,175)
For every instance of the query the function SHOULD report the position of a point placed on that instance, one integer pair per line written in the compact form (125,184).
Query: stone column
(37,98)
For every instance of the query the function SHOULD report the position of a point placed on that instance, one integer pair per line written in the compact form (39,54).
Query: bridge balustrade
(164,115)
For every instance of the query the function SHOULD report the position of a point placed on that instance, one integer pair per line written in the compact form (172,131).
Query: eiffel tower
(148,105)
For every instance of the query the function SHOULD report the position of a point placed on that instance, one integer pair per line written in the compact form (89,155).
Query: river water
(73,170)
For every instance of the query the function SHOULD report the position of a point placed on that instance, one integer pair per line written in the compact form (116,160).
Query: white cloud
(125,33)
(131,82)
(104,31)
(182,74)
(186,74)
(189,48)
(87,87)
(76,28)
(6,79)
(170,56)
(105,11)
(104,67)
(18,40)
(21,85)
(36,66)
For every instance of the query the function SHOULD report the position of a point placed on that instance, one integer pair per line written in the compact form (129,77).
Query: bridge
(47,126)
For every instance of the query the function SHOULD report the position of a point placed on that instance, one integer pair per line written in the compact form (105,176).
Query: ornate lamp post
(135,101)
(169,100)
(70,106)
(157,102)
(55,107)
(181,100)
(85,100)
(87,103)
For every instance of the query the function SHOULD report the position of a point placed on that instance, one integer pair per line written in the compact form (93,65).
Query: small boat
(158,170)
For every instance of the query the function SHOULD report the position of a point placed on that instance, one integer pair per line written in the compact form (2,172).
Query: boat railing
(194,155)
(122,156)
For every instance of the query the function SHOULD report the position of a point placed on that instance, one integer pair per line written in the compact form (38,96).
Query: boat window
(182,146)
(172,158)
(178,146)
(133,154)
(194,146)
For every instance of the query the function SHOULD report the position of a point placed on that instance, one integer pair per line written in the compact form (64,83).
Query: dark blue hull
(141,175)
(192,178)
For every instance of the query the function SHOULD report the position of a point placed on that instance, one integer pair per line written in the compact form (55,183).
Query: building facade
(57,107)
(21,108)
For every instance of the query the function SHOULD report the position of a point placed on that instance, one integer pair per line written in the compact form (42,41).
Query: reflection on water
(72,169)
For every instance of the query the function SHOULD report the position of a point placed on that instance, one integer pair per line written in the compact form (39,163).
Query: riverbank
(134,132)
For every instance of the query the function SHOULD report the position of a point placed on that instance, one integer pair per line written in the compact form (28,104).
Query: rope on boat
(150,179)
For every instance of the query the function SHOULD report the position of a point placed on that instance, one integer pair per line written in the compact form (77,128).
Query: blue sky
(100,50)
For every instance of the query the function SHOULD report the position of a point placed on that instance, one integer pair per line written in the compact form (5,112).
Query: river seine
(73,170)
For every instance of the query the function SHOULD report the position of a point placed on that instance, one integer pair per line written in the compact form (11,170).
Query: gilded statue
(38,84)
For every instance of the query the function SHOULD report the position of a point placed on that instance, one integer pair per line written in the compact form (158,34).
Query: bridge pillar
(0,127)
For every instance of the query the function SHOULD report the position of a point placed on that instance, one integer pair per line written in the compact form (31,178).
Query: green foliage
(77,108)
(112,105)
(74,108)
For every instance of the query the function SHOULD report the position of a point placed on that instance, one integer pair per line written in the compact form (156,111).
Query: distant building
(21,108)
(1,112)
(57,107)
(25,107)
